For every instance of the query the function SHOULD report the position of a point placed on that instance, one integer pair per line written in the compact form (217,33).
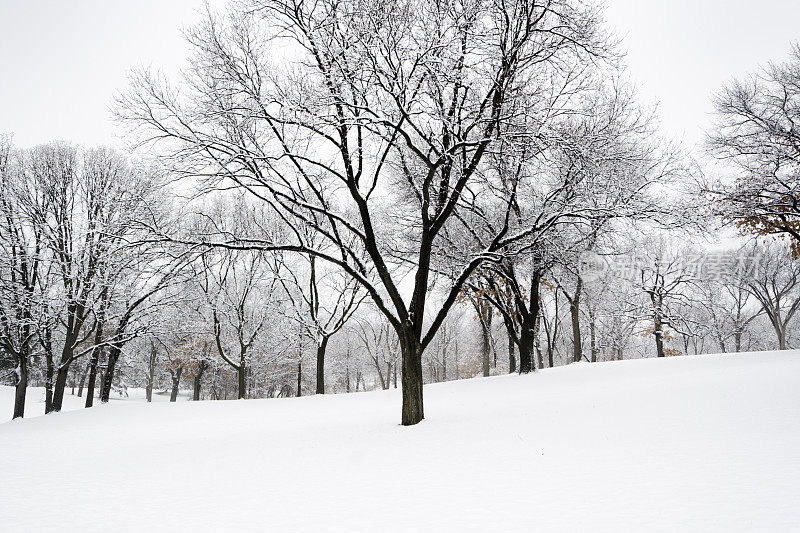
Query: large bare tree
(369,123)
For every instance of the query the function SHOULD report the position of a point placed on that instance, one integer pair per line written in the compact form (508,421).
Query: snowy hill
(703,443)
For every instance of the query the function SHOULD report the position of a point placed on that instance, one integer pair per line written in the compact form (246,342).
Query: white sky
(61,61)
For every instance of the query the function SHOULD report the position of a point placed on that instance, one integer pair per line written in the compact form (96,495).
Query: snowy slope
(704,443)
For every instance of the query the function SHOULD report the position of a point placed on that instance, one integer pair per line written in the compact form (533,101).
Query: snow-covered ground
(702,443)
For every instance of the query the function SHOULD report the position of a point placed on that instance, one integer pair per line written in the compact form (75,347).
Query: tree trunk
(60,384)
(781,332)
(593,340)
(48,387)
(485,340)
(196,388)
(527,330)
(21,387)
(483,308)
(198,380)
(300,378)
(658,333)
(176,381)
(242,372)
(512,360)
(574,311)
(92,377)
(323,345)
(151,371)
(525,347)
(108,376)
(411,380)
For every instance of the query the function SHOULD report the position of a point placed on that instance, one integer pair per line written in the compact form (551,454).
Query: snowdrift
(700,443)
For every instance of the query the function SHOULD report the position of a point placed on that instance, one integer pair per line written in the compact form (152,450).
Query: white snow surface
(698,443)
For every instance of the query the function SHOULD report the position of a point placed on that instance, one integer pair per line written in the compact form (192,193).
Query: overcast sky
(61,62)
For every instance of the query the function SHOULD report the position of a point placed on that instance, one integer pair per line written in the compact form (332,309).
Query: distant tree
(775,283)
(239,289)
(665,280)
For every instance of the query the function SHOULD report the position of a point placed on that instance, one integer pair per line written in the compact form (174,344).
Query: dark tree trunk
(48,388)
(60,384)
(525,347)
(108,376)
(92,376)
(323,345)
(21,387)
(658,333)
(75,322)
(300,379)
(241,371)
(512,360)
(527,331)
(412,380)
(176,381)
(202,366)
(574,311)
(593,340)
(61,373)
(196,388)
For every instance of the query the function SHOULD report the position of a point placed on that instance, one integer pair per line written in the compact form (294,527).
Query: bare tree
(776,285)
(85,205)
(239,289)
(403,99)
(665,280)
(757,130)
(23,262)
